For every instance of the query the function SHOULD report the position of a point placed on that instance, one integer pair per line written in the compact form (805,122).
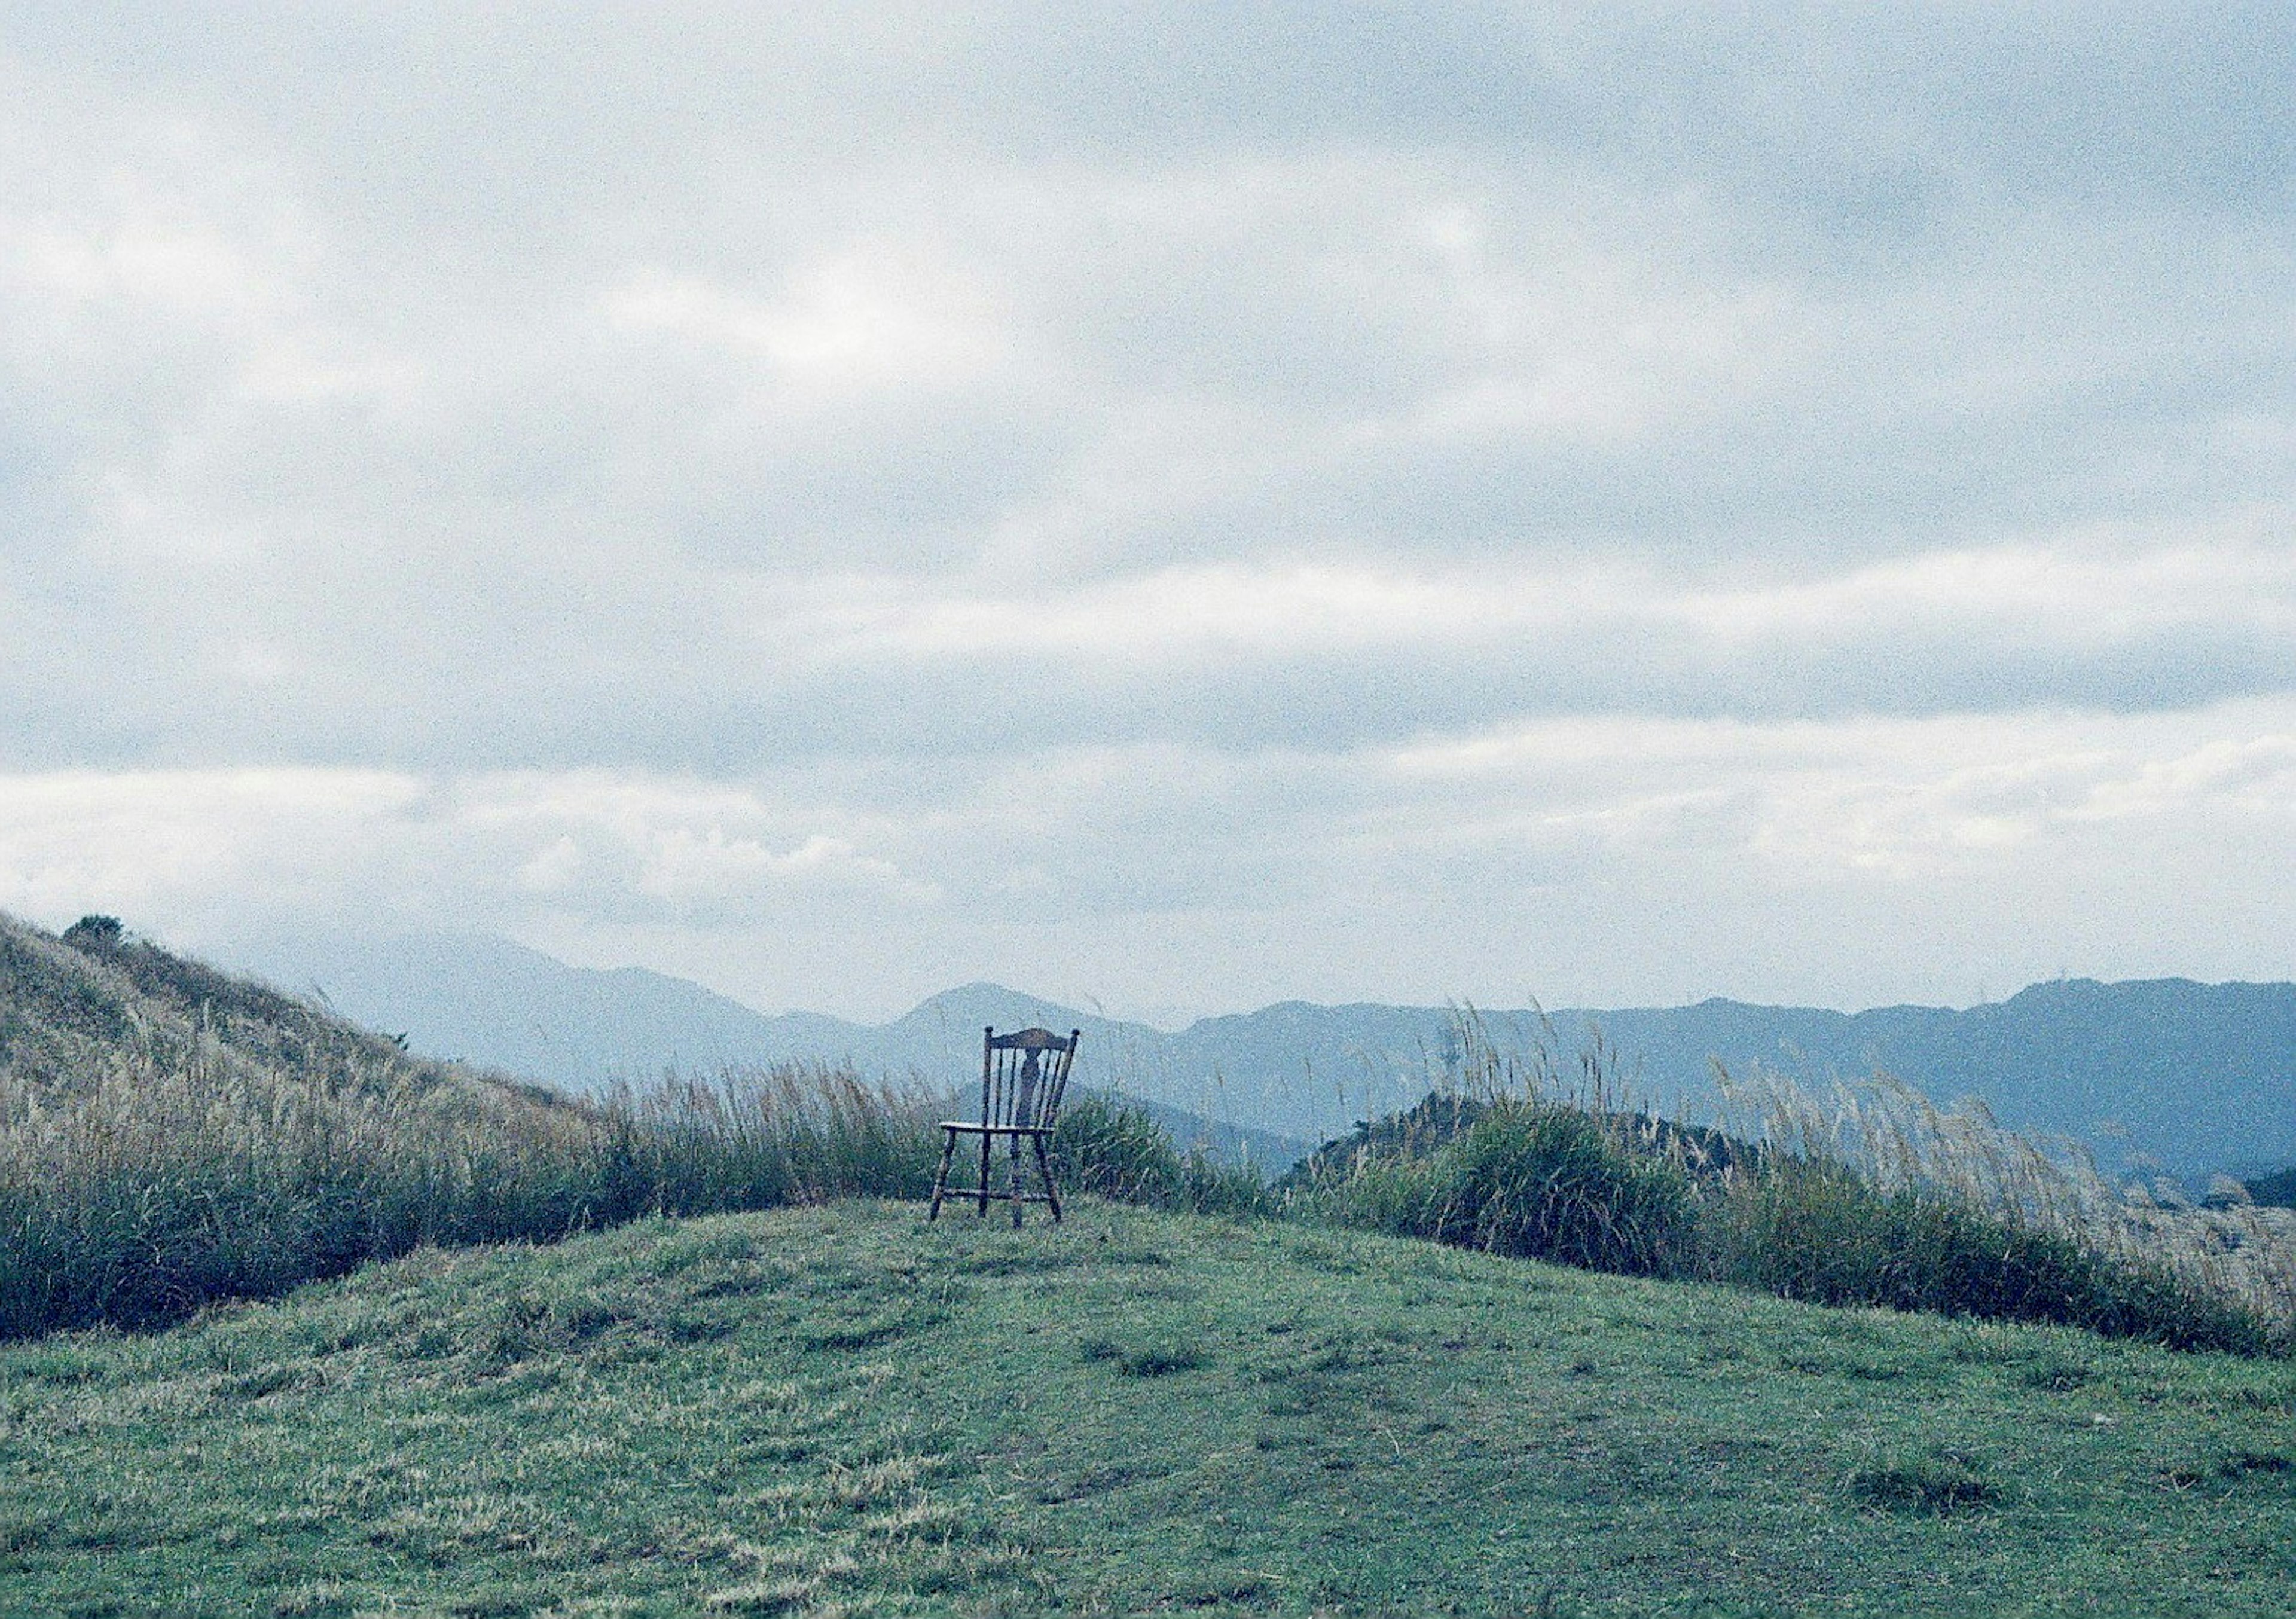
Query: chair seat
(969,1127)
(1000,1195)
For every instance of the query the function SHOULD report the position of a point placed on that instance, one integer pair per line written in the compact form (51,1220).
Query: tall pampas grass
(168,1179)
(1903,1144)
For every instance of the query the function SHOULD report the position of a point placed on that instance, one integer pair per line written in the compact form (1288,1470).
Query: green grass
(840,1409)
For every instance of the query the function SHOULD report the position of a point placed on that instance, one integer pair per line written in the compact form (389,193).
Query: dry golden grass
(1896,1138)
(169,1135)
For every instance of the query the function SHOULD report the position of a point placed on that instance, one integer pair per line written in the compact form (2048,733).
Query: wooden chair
(1022,1077)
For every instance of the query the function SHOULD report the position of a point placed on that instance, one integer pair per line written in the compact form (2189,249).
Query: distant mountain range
(2188,1077)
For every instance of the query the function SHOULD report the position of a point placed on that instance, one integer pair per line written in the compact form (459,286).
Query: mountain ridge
(2167,1073)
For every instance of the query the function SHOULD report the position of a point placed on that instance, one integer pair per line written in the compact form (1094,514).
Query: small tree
(94,934)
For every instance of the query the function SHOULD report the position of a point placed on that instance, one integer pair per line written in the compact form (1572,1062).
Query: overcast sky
(1183,506)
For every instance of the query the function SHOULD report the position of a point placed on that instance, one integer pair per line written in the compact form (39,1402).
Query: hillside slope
(844,1411)
(171,1134)
(74,1009)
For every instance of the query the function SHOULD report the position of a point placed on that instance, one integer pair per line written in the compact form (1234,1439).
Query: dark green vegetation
(1111,1148)
(1612,1192)
(842,1409)
(2279,1189)
(1820,1232)
(1525,1179)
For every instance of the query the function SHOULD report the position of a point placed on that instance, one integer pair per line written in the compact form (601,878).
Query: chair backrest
(1023,1075)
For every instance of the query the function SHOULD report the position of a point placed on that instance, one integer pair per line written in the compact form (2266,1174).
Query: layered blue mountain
(2168,1073)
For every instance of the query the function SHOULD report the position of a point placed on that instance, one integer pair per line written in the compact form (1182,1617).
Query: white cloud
(1985,611)
(554,867)
(1574,859)
(1902,799)
(630,480)
(180,845)
(851,321)
(708,868)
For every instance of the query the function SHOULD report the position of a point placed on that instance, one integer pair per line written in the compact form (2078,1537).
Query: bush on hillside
(1809,1229)
(1106,1148)
(163,1187)
(1437,1119)
(1616,1192)
(1533,1178)
(159,1187)
(1554,1183)
(2276,1191)
(94,934)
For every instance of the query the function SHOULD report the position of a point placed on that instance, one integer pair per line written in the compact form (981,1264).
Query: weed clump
(1529,1178)
(164,1185)
(1811,1230)
(1106,1148)
(170,1136)
(1156,1360)
(1941,1486)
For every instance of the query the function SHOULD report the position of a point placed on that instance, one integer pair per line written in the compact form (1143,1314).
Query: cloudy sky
(1185,505)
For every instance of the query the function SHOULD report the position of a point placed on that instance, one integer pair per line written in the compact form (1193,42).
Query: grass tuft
(1941,1486)
(1159,1359)
(1104,1147)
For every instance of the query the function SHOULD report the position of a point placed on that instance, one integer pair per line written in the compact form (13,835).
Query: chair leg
(1045,1171)
(941,1179)
(1019,1182)
(985,1139)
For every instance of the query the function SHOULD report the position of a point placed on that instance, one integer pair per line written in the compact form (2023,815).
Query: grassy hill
(834,1409)
(842,1411)
(76,1011)
(170,1135)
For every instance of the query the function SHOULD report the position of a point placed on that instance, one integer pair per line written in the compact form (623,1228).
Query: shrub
(2277,1190)
(1811,1230)
(1617,1191)
(1107,1148)
(1874,1193)
(1552,1183)
(1532,1179)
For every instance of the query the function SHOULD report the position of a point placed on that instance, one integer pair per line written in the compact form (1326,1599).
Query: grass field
(840,1410)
